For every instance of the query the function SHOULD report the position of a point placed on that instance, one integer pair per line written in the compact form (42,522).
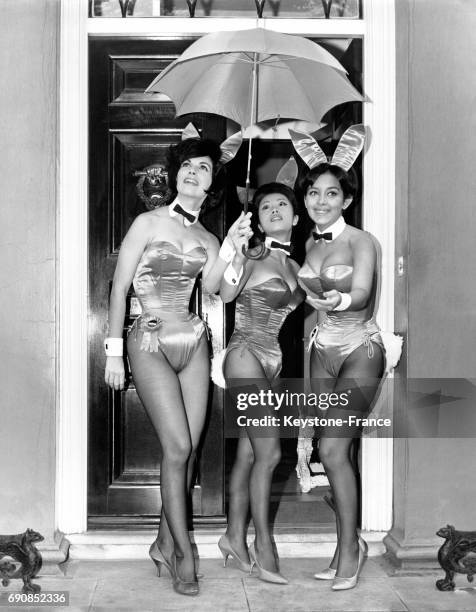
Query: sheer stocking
(363,376)
(176,405)
(252,473)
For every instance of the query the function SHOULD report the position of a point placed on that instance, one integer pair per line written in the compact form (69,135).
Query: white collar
(175,213)
(336,228)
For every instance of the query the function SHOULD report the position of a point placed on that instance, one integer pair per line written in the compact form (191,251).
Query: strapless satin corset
(165,276)
(264,307)
(337,277)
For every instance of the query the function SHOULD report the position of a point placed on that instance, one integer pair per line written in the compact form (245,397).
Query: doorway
(130,131)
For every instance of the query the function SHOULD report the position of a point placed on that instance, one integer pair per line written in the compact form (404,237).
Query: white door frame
(72,291)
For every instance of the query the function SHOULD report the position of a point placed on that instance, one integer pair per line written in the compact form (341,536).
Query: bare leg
(335,451)
(252,472)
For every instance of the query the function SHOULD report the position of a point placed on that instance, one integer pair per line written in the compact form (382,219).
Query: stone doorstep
(135,544)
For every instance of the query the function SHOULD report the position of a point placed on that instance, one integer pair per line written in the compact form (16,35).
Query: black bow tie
(324,236)
(191,218)
(275,245)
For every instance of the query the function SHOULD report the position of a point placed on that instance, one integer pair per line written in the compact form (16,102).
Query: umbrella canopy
(254,75)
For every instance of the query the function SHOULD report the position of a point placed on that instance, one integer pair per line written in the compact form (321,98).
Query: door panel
(129,131)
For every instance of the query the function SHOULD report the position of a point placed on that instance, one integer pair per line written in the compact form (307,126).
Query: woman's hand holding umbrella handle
(240,232)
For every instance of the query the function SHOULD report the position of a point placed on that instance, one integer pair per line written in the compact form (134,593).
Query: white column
(379,219)
(71,484)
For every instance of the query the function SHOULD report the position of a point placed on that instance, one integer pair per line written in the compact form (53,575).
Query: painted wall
(436,122)
(442,184)
(28,152)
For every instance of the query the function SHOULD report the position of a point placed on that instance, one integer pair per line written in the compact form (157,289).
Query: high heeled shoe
(227,550)
(183,587)
(363,545)
(343,584)
(158,558)
(326,574)
(264,574)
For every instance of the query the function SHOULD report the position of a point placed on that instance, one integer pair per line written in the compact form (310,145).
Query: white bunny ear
(288,173)
(190,131)
(229,147)
(349,147)
(307,148)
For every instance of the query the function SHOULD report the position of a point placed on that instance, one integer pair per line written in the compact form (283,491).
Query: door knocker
(152,186)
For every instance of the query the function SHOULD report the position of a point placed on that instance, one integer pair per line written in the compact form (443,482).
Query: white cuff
(345,301)
(227,250)
(113,347)
(231,277)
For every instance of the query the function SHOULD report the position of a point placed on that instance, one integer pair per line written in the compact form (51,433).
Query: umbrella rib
(265,56)
(236,58)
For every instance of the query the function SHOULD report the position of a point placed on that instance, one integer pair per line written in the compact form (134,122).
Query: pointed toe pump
(160,561)
(226,550)
(264,574)
(183,587)
(326,574)
(343,584)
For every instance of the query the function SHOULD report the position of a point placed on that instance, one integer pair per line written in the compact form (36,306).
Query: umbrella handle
(259,254)
(252,119)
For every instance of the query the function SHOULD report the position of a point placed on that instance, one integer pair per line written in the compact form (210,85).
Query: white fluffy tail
(217,369)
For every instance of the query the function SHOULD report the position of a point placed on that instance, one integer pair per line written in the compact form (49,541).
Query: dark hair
(347,179)
(260,193)
(187,149)
(269,188)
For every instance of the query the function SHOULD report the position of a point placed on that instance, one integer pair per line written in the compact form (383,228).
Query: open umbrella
(254,75)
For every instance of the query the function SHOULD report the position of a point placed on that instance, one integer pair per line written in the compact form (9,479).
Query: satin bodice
(165,276)
(262,309)
(338,277)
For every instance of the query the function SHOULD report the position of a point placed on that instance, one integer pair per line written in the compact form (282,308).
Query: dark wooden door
(129,131)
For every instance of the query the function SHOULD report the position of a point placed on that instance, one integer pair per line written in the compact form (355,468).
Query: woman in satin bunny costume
(162,254)
(340,276)
(265,295)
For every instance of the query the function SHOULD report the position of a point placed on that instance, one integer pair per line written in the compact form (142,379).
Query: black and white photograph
(238,255)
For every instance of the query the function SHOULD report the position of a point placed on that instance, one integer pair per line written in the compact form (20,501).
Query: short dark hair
(260,193)
(347,179)
(187,149)
(275,187)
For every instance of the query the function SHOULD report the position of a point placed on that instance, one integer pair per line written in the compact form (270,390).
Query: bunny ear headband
(287,176)
(348,149)
(229,147)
